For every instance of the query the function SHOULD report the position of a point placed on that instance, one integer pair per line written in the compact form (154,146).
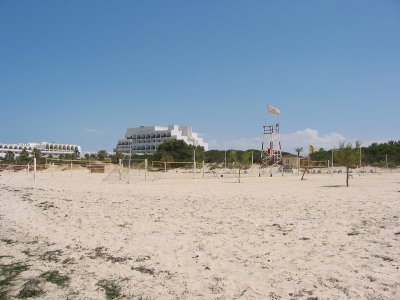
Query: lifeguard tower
(271,151)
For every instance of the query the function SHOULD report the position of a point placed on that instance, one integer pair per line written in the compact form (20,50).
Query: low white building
(45,148)
(146,139)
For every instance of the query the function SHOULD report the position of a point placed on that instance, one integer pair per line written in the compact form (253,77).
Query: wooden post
(165,167)
(120,169)
(252,162)
(225,158)
(129,165)
(34,169)
(387,166)
(145,169)
(194,163)
(203,169)
(298,164)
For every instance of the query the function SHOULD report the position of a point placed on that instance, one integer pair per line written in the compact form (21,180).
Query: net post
(203,169)
(145,169)
(28,169)
(34,169)
(298,164)
(165,167)
(129,165)
(194,163)
(71,167)
(252,163)
(120,169)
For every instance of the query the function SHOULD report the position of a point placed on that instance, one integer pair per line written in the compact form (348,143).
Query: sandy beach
(263,238)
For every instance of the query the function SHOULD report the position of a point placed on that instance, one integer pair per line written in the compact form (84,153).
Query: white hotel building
(45,148)
(146,139)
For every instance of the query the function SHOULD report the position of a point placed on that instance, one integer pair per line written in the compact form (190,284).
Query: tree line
(376,155)
(178,151)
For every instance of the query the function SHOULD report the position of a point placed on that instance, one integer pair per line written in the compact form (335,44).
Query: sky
(82,72)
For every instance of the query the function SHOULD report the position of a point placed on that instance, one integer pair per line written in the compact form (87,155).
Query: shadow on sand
(334,186)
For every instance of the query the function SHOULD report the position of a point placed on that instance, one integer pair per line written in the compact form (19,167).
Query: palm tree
(311,151)
(37,154)
(298,150)
(9,157)
(116,157)
(24,156)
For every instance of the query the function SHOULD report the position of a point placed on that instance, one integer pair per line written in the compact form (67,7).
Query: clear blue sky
(84,71)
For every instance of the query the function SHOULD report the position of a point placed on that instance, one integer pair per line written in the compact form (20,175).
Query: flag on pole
(273,110)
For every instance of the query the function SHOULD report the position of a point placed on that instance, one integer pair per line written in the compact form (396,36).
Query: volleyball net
(130,169)
(315,166)
(91,165)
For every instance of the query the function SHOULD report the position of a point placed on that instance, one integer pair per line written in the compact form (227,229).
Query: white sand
(265,238)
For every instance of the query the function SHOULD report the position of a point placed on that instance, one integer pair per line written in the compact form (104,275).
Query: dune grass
(55,277)
(30,289)
(111,288)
